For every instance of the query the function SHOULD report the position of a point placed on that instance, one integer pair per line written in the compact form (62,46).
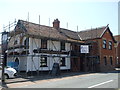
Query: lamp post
(4,48)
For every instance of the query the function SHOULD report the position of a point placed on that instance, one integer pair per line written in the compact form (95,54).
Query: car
(8,72)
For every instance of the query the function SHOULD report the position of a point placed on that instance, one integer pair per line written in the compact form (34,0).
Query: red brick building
(102,50)
(117,38)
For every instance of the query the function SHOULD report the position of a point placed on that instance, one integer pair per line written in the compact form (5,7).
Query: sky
(85,14)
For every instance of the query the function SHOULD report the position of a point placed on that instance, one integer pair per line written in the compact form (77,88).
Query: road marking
(100,84)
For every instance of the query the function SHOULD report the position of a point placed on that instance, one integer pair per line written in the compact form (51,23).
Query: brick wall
(106,52)
(118,54)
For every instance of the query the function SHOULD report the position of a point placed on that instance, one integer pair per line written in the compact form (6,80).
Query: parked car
(8,72)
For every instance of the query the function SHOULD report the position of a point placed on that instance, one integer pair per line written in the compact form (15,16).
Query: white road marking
(100,84)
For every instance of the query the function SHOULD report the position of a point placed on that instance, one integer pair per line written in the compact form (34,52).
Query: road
(94,80)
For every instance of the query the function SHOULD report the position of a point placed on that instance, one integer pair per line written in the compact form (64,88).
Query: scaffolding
(25,49)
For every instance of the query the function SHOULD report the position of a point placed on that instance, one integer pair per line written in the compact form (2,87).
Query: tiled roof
(37,31)
(70,34)
(92,33)
(117,38)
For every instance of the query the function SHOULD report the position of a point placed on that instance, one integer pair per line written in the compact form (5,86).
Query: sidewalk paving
(29,80)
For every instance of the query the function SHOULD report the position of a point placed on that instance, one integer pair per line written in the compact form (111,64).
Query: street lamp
(4,48)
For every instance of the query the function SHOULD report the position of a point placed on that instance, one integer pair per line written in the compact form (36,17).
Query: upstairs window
(110,45)
(43,44)
(26,43)
(62,61)
(15,42)
(43,61)
(62,45)
(104,44)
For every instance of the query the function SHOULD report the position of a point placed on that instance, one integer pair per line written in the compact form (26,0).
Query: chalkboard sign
(55,69)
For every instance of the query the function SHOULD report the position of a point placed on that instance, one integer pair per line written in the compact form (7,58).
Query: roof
(70,34)
(42,31)
(92,33)
(117,38)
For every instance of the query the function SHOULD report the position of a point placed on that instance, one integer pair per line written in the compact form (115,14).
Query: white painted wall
(22,63)
(32,63)
(53,45)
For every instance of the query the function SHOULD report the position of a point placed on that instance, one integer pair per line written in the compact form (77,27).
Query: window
(43,44)
(62,46)
(105,60)
(110,45)
(111,62)
(15,42)
(43,61)
(26,43)
(17,61)
(104,44)
(62,61)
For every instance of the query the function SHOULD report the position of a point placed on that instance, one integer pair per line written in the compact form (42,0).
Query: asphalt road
(94,80)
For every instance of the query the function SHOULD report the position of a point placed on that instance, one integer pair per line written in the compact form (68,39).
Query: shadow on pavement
(24,78)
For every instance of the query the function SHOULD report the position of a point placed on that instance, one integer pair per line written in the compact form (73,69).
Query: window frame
(110,45)
(111,60)
(26,43)
(105,60)
(104,44)
(62,61)
(43,63)
(62,45)
(43,44)
(15,42)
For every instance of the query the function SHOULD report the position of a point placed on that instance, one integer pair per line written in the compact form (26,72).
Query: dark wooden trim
(50,51)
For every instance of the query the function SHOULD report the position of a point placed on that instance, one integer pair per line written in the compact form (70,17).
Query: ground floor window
(17,61)
(105,60)
(62,61)
(43,61)
(111,62)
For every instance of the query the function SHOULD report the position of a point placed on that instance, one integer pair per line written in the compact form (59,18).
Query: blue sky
(84,14)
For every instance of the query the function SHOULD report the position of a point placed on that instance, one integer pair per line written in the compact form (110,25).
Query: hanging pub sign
(84,48)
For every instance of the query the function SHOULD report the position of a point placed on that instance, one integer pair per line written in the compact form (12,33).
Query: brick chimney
(56,24)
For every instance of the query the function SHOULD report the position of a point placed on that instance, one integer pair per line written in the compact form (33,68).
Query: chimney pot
(56,24)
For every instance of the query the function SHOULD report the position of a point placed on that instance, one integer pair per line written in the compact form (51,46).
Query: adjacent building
(117,46)
(102,50)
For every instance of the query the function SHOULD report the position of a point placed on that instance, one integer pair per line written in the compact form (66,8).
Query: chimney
(56,24)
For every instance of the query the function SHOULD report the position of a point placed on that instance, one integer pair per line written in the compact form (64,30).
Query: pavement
(29,80)
(23,80)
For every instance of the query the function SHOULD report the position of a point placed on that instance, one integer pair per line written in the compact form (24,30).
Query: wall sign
(84,48)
